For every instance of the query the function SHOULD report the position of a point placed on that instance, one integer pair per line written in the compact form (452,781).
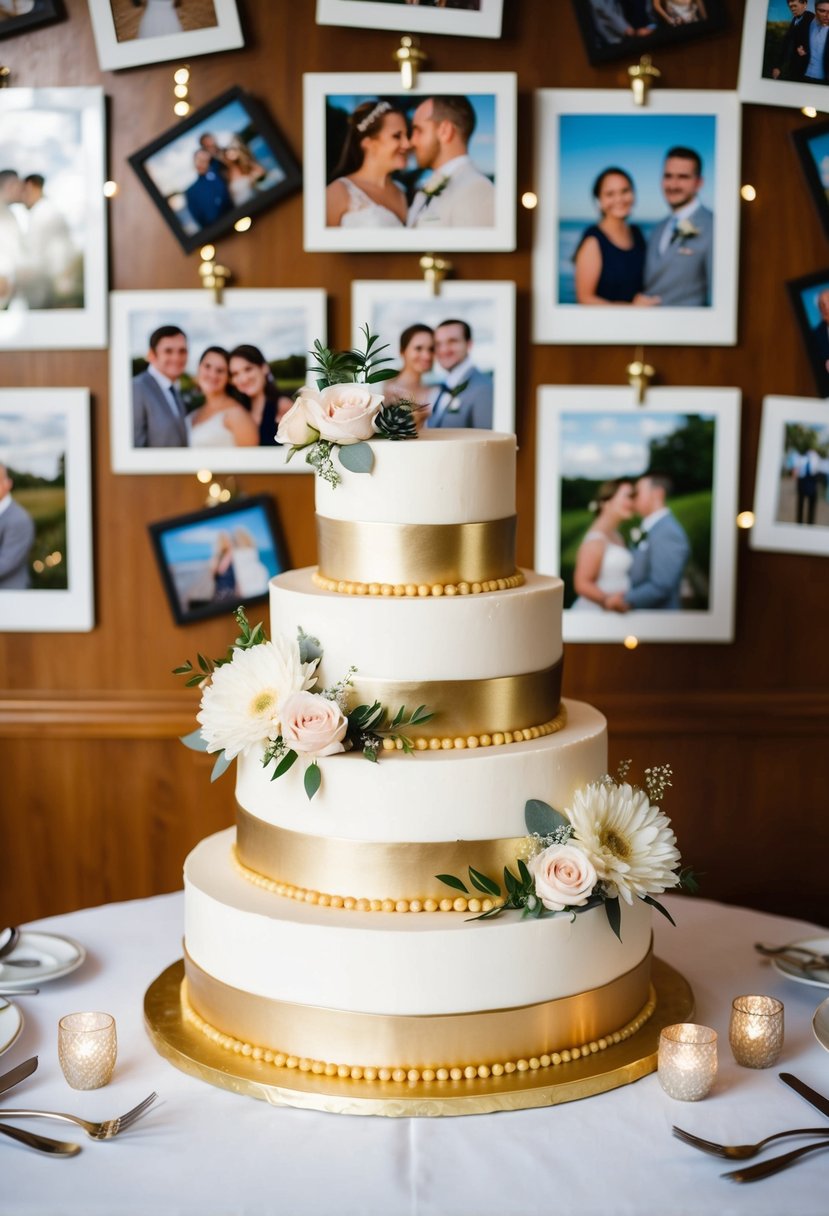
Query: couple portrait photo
(40,264)
(784,61)
(159,18)
(612,28)
(472,18)
(133,32)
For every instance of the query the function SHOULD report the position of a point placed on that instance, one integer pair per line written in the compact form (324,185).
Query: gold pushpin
(213,276)
(408,58)
(642,75)
(5,74)
(434,270)
(640,374)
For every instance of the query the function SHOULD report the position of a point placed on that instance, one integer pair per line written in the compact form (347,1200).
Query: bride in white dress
(363,193)
(603,561)
(221,422)
(160,18)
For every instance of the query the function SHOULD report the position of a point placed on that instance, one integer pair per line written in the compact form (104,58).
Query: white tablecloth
(209,1152)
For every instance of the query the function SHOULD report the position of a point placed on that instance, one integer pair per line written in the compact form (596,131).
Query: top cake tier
(435,515)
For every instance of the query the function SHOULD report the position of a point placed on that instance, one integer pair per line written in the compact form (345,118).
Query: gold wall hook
(435,270)
(213,276)
(5,76)
(408,58)
(642,75)
(640,374)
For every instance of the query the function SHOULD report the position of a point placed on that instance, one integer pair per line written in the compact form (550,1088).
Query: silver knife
(15,1075)
(800,1087)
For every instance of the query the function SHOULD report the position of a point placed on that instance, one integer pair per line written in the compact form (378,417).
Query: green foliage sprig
(352,366)
(370,724)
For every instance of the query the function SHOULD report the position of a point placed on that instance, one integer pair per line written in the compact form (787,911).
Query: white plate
(11,1024)
(820,1023)
(818,978)
(55,955)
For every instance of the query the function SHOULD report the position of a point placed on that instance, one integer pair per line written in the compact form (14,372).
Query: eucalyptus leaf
(195,741)
(221,766)
(542,819)
(654,903)
(313,778)
(614,915)
(310,648)
(356,457)
(452,881)
(483,883)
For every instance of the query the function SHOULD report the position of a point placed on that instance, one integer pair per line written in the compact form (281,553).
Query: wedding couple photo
(129,33)
(160,18)
(613,28)
(469,18)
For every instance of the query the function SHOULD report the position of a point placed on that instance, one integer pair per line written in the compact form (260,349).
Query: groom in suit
(679,257)
(157,409)
(465,397)
(659,559)
(456,194)
(17,534)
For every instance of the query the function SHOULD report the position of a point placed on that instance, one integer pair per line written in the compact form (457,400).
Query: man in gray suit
(157,409)
(659,559)
(679,258)
(17,534)
(465,397)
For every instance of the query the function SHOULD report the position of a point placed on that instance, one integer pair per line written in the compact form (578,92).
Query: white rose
(312,725)
(564,877)
(295,427)
(342,413)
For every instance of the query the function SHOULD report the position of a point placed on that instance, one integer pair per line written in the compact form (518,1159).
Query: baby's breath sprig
(339,692)
(657,780)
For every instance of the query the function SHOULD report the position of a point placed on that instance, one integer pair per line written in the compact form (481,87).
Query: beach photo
(470,18)
(454,353)
(45,517)
(614,29)
(791,491)
(636,236)
(195,386)
(212,561)
(133,32)
(634,511)
(431,168)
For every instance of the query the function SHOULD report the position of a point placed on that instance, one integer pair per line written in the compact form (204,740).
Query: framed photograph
(472,18)
(132,32)
(638,215)
(617,29)
(45,511)
(812,145)
(53,275)
(194,384)
(635,510)
(19,15)
(212,561)
(810,298)
(430,168)
(224,162)
(791,493)
(782,62)
(455,351)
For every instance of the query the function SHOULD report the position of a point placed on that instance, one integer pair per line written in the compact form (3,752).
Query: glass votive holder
(756,1030)
(87,1047)
(687,1060)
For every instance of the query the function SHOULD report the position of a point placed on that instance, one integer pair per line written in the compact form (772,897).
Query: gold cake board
(190,1050)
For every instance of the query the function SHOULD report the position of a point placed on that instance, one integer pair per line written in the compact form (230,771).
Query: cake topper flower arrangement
(343,410)
(613,842)
(262,695)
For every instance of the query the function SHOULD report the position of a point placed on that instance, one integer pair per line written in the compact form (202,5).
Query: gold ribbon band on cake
(367,869)
(401,1041)
(469,707)
(398,554)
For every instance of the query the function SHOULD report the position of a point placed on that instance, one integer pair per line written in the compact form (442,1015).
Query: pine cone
(396,421)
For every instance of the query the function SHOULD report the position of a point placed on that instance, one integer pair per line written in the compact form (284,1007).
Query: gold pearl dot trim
(497,738)
(416,590)
(352,903)
(414,1076)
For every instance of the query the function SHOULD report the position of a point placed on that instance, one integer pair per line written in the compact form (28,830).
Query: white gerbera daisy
(630,842)
(241,705)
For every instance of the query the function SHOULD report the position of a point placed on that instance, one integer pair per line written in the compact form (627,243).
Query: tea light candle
(687,1060)
(86,1049)
(756,1030)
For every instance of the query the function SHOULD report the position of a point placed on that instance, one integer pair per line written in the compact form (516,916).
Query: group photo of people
(402,161)
(803,492)
(796,41)
(635,207)
(158,18)
(33,548)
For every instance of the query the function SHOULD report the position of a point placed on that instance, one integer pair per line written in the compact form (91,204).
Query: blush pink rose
(312,725)
(295,427)
(564,877)
(342,413)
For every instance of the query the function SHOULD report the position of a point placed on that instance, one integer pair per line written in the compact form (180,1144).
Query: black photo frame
(811,143)
(167,171)
(813,321)
(601,49)
(42,13)
(193,561)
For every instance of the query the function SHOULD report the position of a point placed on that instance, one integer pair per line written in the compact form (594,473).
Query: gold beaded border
(350,903)
(416,590)
(470,1072)
(497,738)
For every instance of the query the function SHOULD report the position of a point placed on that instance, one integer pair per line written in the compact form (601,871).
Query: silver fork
(104,1130)
(763,1169)
(741,1152)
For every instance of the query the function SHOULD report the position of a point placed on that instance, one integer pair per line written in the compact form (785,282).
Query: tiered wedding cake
(318,935)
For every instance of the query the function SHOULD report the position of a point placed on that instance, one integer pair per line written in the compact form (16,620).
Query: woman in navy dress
(610,258)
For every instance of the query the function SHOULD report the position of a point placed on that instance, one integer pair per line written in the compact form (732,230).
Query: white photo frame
(58,134)
(369,14)
(588,435)
(776,496)
(488,308)
(492,148)
(225,35)
(759,56)
(282,323)
(569,164)
(39,428)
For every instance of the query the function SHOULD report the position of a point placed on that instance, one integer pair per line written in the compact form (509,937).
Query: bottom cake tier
(396,996)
